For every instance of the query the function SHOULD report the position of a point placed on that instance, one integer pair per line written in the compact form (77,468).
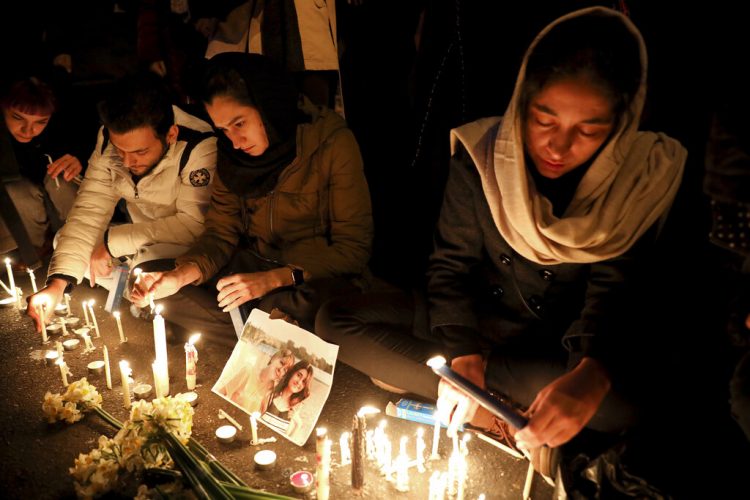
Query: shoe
(387,387)
(497,433)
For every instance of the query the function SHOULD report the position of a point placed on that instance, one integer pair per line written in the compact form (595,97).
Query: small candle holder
(72,321)
(54,328)
(82,331)
(50,358)
(61,309)
(142,391)
(96,367)
(71,344)
(191,397)
(264,459)
(302,481)
(226,433)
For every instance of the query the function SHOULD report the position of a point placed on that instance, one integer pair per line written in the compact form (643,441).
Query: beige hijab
(628,187)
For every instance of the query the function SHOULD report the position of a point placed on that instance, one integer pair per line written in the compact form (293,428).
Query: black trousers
(386,335)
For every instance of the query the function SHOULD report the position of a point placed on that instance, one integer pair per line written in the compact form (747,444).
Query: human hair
(225,81)
(31,96)
(595,47)
(281,353)
(135,101)
(305,392)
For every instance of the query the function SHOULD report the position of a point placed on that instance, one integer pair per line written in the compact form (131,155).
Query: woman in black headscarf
(290,209)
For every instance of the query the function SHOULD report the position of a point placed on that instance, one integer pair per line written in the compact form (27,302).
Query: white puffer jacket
(166,206)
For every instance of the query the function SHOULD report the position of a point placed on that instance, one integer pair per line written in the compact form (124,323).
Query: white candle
(370,445)
(11,279)
(116,314)
(254,416)
(421,447)
(344,448)
(7,289)
(191,360)
(125,377)
(435,437)
(402,466)
(32,278)
(67,303)
(87,342)
(56,178)
(19,298)
(63,371)
(323,459)
(59,347)
(160,347)
(64,328)
(40,310)
(157,382)
(107,371)
(84,305)
(93,318)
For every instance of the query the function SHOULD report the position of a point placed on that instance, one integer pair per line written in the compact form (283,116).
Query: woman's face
(278,368)
(566,123)
(297,382)
(23,126)
(241,124)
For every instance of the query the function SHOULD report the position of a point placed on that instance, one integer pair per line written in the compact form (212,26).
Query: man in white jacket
(158,160)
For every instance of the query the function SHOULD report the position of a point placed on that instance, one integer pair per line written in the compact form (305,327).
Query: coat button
(505,259)
(547,275)
(536,305)
(497,291)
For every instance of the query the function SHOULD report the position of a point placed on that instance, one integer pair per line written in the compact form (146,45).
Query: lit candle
(435,436)
(226,433)
(116,314)
(421,447)
(160,348)
(32,278)
(370,445)
(87,342)
(93,318)
(125,377)
(344,449)
(380,443)
(497,408)
(63,371)
(7,289)
(254,416)
(402,466)
(19,297)
(67,303)
(51,357)
(323,460)
(191,360)
(359,431)
(11,279)
(59,347)
(40,310)
(107,371)
(264,459)
(387,469)
(64,328)
(158,385)
(84,305)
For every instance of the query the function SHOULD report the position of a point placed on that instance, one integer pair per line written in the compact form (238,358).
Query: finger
(532,435)
(235,301)
(92,275)
(226,281)
(459,417)
(231,292)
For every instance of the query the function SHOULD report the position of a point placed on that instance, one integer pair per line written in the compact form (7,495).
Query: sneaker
(387,387)
(497,433)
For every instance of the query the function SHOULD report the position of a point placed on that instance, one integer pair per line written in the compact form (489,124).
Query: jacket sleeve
(87,220)
(350,214)
(223,226)
(459,245)
(186,225)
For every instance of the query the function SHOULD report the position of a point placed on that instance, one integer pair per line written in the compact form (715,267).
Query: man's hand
(562,408)
(470,367)
(49,295)
(236,289)
(67,165)
(162,284)
(100,264)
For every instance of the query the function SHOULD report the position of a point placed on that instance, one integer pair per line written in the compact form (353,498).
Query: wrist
(471,366)
(186,274)
(595,372)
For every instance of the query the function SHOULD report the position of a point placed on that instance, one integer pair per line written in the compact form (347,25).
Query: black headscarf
(272,92)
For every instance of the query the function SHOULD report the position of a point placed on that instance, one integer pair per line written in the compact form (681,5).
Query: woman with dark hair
(549,217)
(282,405)
(37,176)
(290,220)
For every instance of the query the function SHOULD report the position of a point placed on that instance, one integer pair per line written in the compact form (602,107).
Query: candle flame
(92,302)
(7,260)
(159,309)
(124,364)
(116,314)
(420,432)
(466,438)
(137,271)
(367,410)
(42,300)
(320,431)
(59,361)
(436,362)
(194,338)
(256,415)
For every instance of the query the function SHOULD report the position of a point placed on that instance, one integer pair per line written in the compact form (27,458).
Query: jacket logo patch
(200,177)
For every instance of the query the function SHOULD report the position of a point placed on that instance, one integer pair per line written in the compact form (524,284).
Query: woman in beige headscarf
(548,214)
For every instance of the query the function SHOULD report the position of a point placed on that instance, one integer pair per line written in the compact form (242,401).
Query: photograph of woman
(281,411)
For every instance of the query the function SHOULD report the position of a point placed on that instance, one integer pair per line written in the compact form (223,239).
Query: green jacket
(318,217)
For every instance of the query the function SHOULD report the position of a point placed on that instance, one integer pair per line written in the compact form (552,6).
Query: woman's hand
(454,406)
(67,165)
(162,284)
(236,289)
(565,406)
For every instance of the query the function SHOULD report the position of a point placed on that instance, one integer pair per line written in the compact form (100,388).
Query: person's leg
(29,202)
(375,333)
(62,199)
(740,394)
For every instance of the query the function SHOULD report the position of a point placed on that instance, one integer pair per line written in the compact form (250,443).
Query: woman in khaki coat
(289,222)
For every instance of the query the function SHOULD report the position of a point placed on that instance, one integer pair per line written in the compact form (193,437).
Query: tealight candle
(142,391)
(61,309)
(71,344)
(53,328)
(50,358)
(72,321)
(96,367)
(82,331)
(264,459)
(226,433)
(301,481)
(191,397)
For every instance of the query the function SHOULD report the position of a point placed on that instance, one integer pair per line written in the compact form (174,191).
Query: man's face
(140,149)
